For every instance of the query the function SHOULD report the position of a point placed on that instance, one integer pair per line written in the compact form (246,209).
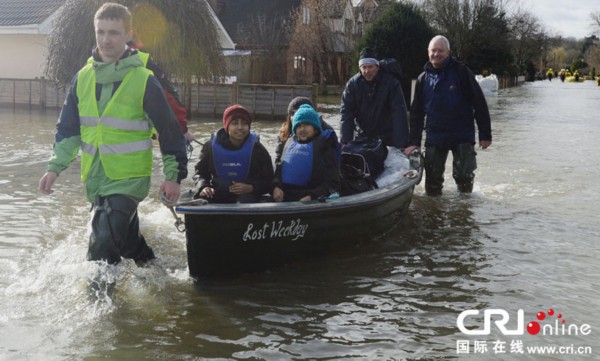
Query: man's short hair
(114,11)
(442,38)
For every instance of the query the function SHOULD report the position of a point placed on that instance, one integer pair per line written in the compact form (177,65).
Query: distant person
(234,166)
(111,108)
(550,74)
(285,132)
(447,103)
(309,167)
(373,105)
(168,87)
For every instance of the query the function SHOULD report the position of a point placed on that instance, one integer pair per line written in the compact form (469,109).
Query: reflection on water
(526,239)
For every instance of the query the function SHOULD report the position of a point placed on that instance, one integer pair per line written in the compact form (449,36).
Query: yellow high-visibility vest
(122,134)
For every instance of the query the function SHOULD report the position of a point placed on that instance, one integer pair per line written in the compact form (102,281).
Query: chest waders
(116,231)
(464,164)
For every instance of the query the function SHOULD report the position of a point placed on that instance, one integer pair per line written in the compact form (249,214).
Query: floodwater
(527,240)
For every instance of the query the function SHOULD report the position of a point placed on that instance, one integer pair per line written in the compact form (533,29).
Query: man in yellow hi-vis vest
(110,110)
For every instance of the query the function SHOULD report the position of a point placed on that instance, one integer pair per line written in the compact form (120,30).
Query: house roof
(336,9)
(27,12)
(361,3)
(239,15)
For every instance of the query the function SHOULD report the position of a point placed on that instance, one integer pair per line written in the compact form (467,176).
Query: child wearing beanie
(309,167)
(286,128)
(234,166)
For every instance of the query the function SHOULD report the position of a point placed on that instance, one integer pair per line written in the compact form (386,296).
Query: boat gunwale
(356,200)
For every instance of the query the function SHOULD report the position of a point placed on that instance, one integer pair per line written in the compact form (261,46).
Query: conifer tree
(400,32)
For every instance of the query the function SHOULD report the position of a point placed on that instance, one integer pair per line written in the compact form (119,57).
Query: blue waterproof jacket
(447,103)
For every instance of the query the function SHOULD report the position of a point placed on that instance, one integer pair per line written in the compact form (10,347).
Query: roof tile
(27,12)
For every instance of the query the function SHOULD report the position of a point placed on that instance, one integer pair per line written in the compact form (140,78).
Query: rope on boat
(179,223)
(190,149)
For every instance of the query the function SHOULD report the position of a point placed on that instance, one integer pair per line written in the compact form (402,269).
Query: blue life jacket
(298,158)
(297,162)
(232,165)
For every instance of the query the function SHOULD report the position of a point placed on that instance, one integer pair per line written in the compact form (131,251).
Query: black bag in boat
(354,176)
(362,160)
(372,150)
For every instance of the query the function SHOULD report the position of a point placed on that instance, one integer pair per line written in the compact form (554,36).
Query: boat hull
(231,239)
(571,79)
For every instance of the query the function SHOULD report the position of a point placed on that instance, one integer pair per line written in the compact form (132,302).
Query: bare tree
(322,40)
(454,19)
(528,39)
(180,35)
(595,16)
(477,29)
(557,58)
(592,57)
(270,37)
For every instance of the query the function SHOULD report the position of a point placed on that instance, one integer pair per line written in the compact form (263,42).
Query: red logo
(534,327)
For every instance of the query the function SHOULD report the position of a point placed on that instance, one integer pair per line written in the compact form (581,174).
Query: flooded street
(526,239)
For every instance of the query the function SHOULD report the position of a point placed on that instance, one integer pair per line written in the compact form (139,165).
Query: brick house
(265,36)
(324,39)
(259,30)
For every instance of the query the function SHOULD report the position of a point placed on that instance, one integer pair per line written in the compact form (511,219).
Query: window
(347,27)
(305,15)
(300,63)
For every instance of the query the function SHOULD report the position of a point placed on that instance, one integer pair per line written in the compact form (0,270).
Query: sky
(568,18)
(563,17)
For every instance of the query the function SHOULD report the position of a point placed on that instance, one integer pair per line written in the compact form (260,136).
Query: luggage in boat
(362,160)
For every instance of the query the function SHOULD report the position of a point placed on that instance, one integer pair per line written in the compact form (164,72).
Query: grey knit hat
(297,102)
(367,56)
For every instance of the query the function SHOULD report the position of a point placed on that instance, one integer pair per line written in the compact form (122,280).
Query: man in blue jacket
(111,108)
(449,97)
(373,105)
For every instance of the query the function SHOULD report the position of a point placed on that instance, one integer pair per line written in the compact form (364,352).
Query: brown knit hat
(297,102)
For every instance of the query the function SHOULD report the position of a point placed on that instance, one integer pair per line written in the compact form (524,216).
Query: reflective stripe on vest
(117,123)
(122,134)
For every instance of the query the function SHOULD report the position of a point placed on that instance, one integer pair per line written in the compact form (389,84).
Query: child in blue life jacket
(234,166)
(285,132)
(309,167)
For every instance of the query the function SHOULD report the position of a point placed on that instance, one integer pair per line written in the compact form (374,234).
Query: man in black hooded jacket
(373,105)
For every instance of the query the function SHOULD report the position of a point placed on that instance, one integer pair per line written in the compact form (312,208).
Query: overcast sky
(569,18)
(563,17)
